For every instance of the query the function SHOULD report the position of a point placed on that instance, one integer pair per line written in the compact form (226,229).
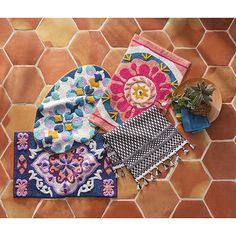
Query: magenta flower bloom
(138,87)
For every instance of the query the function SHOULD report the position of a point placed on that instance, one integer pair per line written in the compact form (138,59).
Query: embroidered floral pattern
(108,187)
(79,172)
(22,141)
(108,165)
(62,117)
(21,164)
(66,171)
(21,187)
(137,86)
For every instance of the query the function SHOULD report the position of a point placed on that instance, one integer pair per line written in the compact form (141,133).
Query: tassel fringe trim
(143,180)
(167,163)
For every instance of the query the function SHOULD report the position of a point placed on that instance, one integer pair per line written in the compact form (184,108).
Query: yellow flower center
(140,92)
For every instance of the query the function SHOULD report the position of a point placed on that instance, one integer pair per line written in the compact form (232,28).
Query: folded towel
(85,171)
(193,123)
(145,76)
(143,143)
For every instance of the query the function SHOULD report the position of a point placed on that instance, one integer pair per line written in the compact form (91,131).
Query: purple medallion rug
(85,171)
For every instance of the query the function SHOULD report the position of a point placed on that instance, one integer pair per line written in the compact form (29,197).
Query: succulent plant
(196,99)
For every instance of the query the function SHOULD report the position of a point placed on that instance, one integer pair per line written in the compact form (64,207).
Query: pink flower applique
(21,187)
(22,142)
(108,187)
(137,86)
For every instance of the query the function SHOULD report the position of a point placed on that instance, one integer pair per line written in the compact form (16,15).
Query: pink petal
(134,66)
(166,86)
(144,70)
(115,88)
(162,94)
(117,78)
(123,106)
(115,98)
(128,114)
(160,77)
(154,70)
(125,73)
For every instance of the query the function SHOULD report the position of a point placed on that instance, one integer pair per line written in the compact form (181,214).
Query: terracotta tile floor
(34,53)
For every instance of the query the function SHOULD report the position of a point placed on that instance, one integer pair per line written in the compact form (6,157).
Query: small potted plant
(194,103)
(195,98)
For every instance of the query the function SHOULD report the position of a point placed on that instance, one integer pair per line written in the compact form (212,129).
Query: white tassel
(145,181)
(139,187)
(192,145)
(186,151)
(122,173)
(166,167)
(178,159)
(158,172)
(171,162)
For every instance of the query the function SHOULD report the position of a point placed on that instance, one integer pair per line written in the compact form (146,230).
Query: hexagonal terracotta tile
(4,104)
(55,63)
(220,160)
(24,84)
(191,209)
(232,30)
(56,32)
(89,47)
(224,79)
(224,126)
(18,207)
(2,212)
(5,32)
(7,160)
(159,38)
(220,199)
(4,179)
(24,47)
(84,207)
(53,209)
(24,23)
(5,65)
(119,31)
(89,23)
(4,140)
(123,209)
(152,23)
(201,141)
(127,187)
(197,67)
(233,64)
(234,103)
(112,60)
(157,199)
(217,48)
(19,118)
(190,179)
(43,94)
(216,23)
(184,32)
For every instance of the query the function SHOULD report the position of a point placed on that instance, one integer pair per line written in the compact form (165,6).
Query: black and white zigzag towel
(143,143)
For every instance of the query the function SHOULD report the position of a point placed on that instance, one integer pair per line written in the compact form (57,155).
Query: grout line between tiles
(70,208)
(37,207)
(140,209)
(172,213)
(107,207)
(208,209)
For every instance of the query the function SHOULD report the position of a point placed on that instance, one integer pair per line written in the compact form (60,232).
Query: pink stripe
(160,54)
(104,120)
